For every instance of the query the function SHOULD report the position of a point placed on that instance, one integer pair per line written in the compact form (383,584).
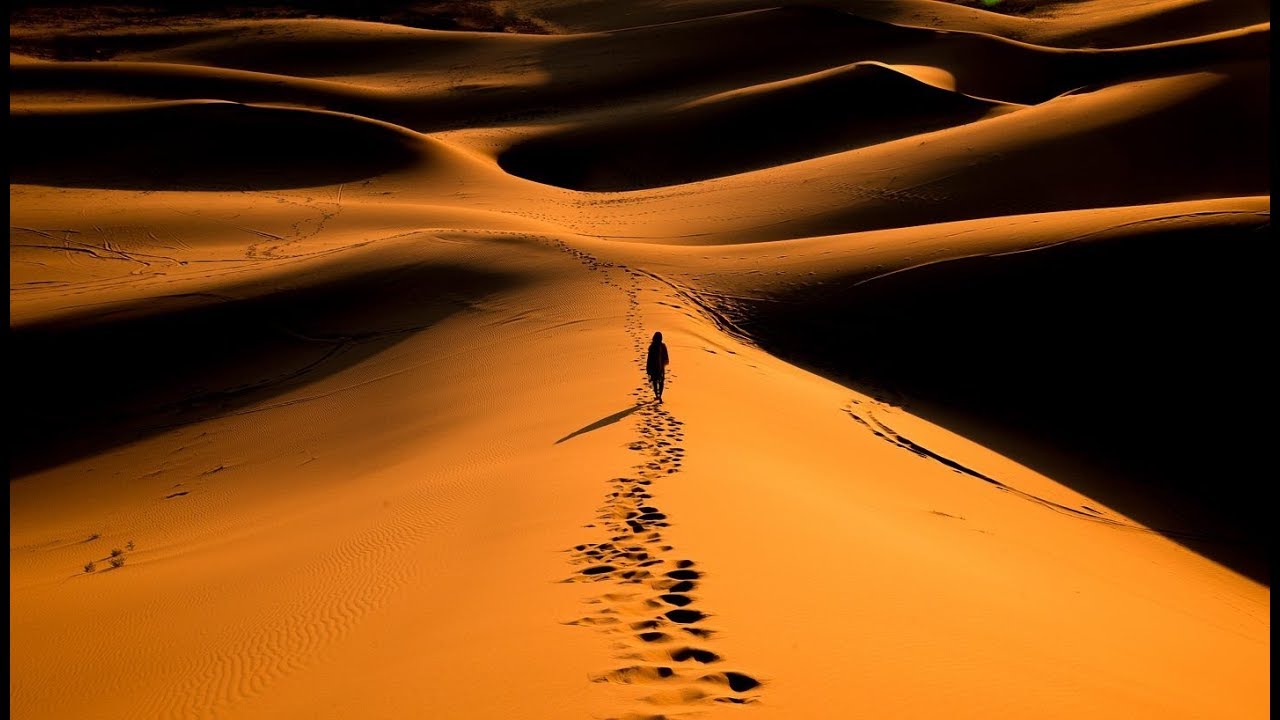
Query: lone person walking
(656,365)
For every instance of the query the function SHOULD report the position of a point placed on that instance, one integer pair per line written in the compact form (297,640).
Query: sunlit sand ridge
(329,341)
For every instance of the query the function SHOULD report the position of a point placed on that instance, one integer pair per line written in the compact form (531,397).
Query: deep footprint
(685,616)
(688,653)
(636,674)
(630,510)
(737,682)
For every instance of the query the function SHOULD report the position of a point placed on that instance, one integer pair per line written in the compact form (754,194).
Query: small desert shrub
(129,546)
(116,552)
(117,561)
(90,566)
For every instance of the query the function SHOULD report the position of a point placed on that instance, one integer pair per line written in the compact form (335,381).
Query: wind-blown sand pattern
(327,335)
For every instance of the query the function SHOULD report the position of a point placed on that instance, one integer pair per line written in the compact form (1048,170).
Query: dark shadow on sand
(115,374)
(601,422)
(1129,369)
(202,146)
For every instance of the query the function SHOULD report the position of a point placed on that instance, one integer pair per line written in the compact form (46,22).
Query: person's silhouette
(656,365)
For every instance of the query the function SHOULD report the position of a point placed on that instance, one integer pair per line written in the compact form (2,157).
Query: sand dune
(1089,23)
(1097,310)
(1056,156)
(205,145)
(1028,163)
(1131,23)
(835,110)
(429,80)
(179,358)
(329,334)
(144,82)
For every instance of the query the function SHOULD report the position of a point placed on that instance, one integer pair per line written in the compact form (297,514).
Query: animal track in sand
(653,623)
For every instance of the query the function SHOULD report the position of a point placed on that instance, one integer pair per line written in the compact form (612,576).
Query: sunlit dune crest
(333,329)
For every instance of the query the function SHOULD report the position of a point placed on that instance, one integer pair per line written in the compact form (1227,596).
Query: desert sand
(329,332)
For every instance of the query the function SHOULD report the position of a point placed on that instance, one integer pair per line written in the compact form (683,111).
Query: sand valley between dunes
(328,339)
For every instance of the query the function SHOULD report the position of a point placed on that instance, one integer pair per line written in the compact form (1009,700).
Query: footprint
(629,509)
(737,682)
(685,616)
(688,653)
(594,621)
(636,674)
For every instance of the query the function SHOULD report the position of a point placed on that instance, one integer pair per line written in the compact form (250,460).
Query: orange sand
(336,329)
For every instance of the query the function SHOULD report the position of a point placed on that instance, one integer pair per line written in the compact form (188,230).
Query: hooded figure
(656,364)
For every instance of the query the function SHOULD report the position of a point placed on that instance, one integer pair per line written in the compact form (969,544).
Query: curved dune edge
(808,116)
(1075,295)
(399,545)
(1028,160)
(1056,156)
(212,145)
(958,422)
(771,44)
(1095,23)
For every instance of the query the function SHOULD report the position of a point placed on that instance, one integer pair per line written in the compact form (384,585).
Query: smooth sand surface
(330,334)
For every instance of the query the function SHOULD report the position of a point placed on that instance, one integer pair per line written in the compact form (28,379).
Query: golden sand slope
(335,329)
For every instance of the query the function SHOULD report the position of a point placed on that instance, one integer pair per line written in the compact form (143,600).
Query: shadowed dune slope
(827,112)
(1123,362)
(144,81)
(114,373)
(637,83)
(457,15)
(1179,138)
(525,73)
(1081,23)
(203,146)
(1078,24)
(1194,136)
(1105,23)
(329,48)
(493,79)
(333,331)
(315,47)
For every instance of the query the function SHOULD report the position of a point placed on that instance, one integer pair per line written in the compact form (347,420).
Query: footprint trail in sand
(650,603)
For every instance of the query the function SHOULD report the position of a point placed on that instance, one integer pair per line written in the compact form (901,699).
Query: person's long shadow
(602,422)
